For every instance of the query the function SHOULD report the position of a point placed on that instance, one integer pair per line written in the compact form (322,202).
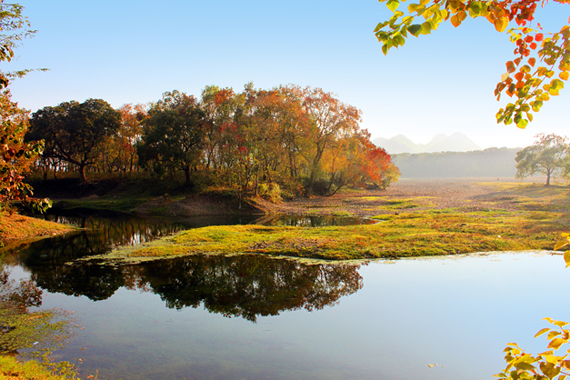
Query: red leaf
(531,61)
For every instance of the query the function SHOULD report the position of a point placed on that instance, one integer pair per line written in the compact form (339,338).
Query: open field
(416,218)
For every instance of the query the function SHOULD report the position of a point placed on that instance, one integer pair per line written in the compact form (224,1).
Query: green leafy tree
(74,132)
(542,61)
(548,155)
(173,134)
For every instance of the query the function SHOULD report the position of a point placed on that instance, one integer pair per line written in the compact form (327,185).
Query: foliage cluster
(15,155)
(542,62)
(546,365)
(303,140)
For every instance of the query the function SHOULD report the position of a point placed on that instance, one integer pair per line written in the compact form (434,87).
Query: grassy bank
(418,220)
(15,228)
(438,232)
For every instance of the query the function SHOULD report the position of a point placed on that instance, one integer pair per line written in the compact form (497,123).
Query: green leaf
(380,26)
(524,366)
(415,30)
(426,28)
(475,9)
(393,5)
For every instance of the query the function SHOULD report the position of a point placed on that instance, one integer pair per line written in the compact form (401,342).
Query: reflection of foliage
(247,285)
(21,329)
(545,365)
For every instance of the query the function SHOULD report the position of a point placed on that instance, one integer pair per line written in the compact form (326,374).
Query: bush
(270,191)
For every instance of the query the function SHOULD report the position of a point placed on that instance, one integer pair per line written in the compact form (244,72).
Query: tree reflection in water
(247,286)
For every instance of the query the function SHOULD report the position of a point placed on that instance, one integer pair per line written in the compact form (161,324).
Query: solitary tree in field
(548,155)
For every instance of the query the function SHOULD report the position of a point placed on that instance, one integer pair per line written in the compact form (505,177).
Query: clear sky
(131,51)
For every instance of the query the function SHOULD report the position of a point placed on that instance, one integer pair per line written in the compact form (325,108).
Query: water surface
(257,317)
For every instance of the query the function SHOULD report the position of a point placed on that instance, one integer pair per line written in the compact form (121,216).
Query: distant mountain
(457,142)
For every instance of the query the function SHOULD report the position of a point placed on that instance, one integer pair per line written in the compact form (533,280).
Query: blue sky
(127,51)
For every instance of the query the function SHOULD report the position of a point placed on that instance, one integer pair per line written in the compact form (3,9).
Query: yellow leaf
(501,24)
(542,331)
(556,343)
(504,77)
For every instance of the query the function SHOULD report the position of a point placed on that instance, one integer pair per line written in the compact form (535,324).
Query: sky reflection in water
(459,313)
(260,318)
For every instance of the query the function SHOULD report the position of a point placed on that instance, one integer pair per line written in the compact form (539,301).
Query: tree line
(302,140)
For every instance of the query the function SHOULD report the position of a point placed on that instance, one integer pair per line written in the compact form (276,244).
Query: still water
(254,317)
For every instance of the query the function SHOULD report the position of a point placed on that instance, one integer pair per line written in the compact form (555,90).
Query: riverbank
(415,218)
(16,229)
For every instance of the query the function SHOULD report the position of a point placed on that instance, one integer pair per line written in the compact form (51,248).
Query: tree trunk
(187,174)
(82,175)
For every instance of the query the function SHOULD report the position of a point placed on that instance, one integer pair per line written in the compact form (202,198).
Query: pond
(256,317)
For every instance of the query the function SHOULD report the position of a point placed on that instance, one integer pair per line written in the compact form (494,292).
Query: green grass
(403,235)
(533,218)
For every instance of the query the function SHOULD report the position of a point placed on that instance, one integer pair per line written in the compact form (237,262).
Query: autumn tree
(542,60)
(329,118)
(549,155)
(16,155)
(73,132)
(172,136)
(119,153)
(220,106)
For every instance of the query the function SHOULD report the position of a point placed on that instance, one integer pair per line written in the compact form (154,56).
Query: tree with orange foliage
(542,61)
(329,118)
(16,156)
